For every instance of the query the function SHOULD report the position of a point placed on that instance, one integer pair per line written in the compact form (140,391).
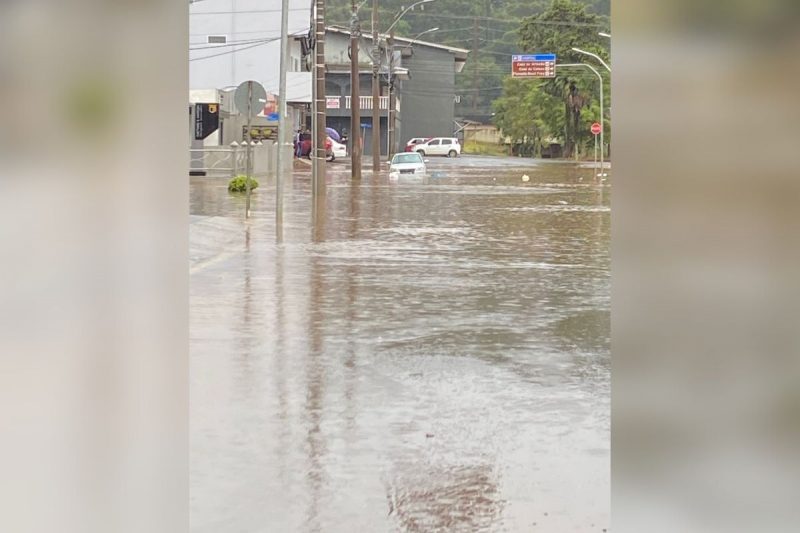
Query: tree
(563,25)
(528,115)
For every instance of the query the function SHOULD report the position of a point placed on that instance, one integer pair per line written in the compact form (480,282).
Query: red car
(305,147)
(416,140)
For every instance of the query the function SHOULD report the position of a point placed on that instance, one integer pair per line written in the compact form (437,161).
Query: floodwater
(427,356)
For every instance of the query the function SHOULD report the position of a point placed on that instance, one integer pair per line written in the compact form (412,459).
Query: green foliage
(499,29)
(239,184)
(564,25)
(556,107)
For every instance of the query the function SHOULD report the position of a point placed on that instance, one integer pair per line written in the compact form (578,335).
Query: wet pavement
(429,355)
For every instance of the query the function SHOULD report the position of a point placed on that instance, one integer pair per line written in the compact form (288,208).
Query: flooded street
(431,355)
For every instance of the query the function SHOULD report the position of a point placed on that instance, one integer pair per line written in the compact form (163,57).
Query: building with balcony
(423,76)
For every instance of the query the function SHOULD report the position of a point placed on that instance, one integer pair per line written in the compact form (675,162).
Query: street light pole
(355,98)
(376,92)
(282,110)
(602,112)
(406,10)
(597,57)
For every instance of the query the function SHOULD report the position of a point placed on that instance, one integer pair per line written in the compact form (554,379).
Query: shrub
(239,184)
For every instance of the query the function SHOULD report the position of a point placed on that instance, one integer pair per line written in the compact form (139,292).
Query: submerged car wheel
(421,152)
(452,153)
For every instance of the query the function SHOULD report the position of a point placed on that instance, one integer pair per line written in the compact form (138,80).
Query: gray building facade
(428,96)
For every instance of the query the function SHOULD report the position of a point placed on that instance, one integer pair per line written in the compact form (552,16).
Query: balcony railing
(343,102)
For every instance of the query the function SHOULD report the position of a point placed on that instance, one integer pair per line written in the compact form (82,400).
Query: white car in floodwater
(407,164)
(337,149)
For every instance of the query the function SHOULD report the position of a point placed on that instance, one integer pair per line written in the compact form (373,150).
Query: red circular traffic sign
(596,128)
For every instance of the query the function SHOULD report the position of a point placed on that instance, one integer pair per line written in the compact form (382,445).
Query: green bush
(239,184)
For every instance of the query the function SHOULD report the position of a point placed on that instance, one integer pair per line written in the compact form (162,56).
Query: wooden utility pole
(318,184)
(376,91)
(355,98)
(390,116)
(475,68)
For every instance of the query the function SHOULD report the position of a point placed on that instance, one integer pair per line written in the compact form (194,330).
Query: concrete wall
(336,45)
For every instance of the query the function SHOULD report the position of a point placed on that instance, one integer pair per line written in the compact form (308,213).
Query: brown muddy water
(427,356)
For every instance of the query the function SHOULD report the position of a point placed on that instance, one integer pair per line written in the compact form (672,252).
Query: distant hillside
(488,28)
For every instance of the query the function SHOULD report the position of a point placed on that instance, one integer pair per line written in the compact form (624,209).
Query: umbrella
(333,134)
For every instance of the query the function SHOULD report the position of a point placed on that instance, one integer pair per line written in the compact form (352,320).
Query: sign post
(596,129)
(250,96)
(533,66)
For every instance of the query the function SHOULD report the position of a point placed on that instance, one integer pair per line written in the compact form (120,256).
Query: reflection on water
(412,356)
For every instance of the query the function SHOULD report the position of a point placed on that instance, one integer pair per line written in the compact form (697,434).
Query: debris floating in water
(526,178)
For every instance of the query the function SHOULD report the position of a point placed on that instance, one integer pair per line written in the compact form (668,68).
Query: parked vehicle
(448,146)
(407,163)
(330,152)
(413,142)
(337,150)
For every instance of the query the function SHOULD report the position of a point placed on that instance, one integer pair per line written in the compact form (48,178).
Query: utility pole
(318,185)
(355,98)
(475,68)
(390,116)
(376,92)
(282,108)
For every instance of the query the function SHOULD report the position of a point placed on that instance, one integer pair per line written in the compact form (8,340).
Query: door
(447,144)
(434,147)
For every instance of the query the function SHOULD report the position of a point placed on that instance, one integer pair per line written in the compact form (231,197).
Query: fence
(229,161)
(365,102)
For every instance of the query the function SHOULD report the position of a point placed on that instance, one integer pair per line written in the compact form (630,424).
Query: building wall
(336,45)
(483,134)
(337,83)
(212,66)
(427,99)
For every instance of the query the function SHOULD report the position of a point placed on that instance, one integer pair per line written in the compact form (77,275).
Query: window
(407,158)
(446,141)
(217,39)
(434,142)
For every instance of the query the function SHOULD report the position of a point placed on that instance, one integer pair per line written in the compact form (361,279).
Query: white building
(232,41)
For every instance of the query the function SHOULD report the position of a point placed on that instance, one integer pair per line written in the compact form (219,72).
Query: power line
(252,11)
(234,51)
(243,44)
(206,46)
(514,20)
